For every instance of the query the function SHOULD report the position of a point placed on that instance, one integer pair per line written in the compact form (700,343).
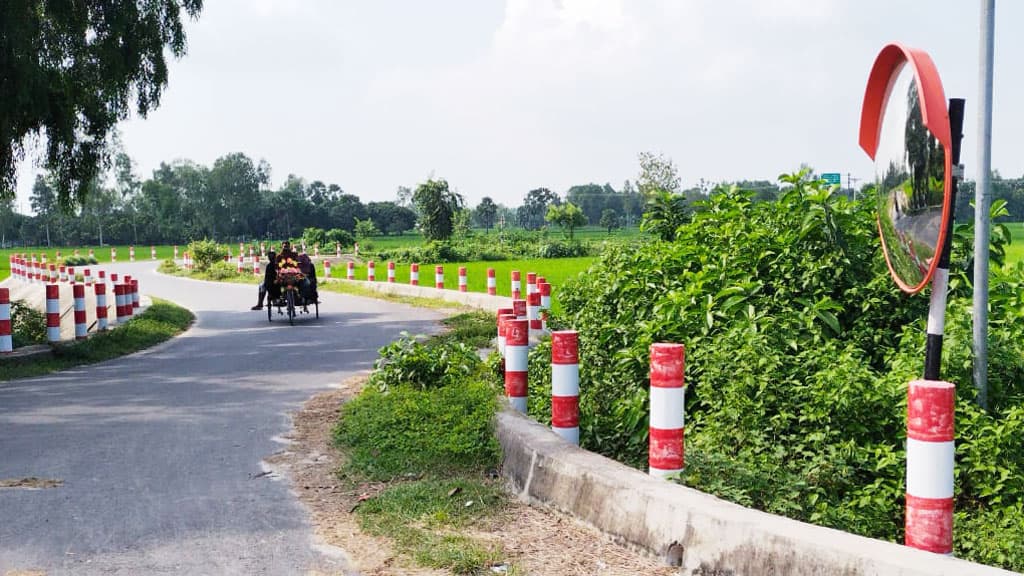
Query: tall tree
(657,174)
(485,213)
(71,71)
(535,207)
(436,205)
(44,203)
(568,216)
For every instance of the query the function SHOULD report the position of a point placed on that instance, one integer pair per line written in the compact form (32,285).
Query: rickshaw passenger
(309,285)
(269,287)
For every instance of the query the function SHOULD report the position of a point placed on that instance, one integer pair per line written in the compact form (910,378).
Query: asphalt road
(160,452)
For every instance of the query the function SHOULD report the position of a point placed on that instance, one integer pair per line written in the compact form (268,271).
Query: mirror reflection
(910,174)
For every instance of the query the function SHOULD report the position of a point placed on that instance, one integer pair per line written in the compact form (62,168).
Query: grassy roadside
(161,321)
(422,430)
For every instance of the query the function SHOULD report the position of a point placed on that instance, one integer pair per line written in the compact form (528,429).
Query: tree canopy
(70,71)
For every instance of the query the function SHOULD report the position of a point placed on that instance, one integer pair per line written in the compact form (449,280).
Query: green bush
(563,250)
(222,270)
(205,253)
(339,236)
(409,362)
(80,260)
(313,237)
(799,348)
(28,325)
(422,431)
(168,266)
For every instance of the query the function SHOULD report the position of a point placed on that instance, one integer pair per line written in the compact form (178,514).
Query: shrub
(222,270)
(313,237)
(409,362)
(339,236)
(28,325)
(205,253)
(168,266)
(79,260)
(562,250)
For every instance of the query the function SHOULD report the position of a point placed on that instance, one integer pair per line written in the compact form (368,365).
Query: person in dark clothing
(309,270)
(269,284)
(287,253)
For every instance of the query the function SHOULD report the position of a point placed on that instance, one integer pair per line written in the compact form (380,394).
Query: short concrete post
(351,272)
(929,514)
(327,268)
(517,341)
(101,306)
(52,313)
(135,293)
(6,339)
(337,250)
(371,272)
(122,317)
(565,385)
(517,285)
(53,274)
(113,255)
(519,309)
(131,253)
(391,272)
(533,311)
(63,273)
(81,328)
(241,263)
(255,266)
(87,277)
(175,251)
(152,252)
(414,274)
(71,276)
(665,453)
(439,277)
(463,286)
(531,283)
(492,283)
(501,333)
(545,304)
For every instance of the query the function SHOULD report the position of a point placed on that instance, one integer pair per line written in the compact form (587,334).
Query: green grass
(474,329)
(357,289)
(555,270)
(1015,251)
(158,323)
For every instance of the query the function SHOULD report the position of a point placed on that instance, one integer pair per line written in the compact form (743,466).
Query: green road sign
(832,177)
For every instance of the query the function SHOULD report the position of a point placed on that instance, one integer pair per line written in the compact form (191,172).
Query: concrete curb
(475,299)
(701,533)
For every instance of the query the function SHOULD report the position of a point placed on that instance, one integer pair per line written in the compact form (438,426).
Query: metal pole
(982,200)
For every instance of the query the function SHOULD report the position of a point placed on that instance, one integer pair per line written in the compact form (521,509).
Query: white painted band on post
(667,408)
(52,306)
(568,434)
(53,334)
(519,403)
(937,310)
(501,345)
(6,343)
(516,358)
(565,379)
(659,473)
(930,469)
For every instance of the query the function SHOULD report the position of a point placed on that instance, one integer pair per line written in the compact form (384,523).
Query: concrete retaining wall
(705,535)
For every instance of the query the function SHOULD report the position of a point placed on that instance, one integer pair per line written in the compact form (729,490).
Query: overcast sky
(502,97)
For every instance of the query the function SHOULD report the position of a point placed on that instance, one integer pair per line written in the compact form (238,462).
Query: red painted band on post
(78,293)
(667,423)
(565,385)
(666,450)
(533,310)
(6,334)
(414,274)
(371,271)
(135,294)
(929,524)
(391,271)
(667,365)
(492,283)
(565,411)
(463,286)
(516,285)
(516,359)
(52,313)
(930,411)
(519,308)
(565,347)
(439,277)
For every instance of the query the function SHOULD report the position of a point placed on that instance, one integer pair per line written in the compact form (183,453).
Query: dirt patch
(30,483)
(537,541)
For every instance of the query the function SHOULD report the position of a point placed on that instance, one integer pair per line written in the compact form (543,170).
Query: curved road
(160,452)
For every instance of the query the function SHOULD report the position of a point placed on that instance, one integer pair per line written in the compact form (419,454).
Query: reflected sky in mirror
(910,174)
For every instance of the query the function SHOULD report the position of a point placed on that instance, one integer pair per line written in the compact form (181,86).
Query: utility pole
(850,181)
(982,200)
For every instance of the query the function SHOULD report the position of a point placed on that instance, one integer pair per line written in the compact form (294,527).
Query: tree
(666,212)
(390,218)
(609,220)
(366,229)
(44,203)
(657,174)
(461,228)
(436,205)
(568,216)
(485,213)
(71,71)
(535,207)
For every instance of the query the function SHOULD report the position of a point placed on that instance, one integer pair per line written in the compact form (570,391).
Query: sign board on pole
(833,178)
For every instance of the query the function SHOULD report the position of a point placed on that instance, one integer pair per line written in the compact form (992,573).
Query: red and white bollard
(241,264)
(492,283)
(517,341)
(351,273)
(501,333)
(327,268)
(531,283)
(414,274)
(175,251)
(113,278)
(391,272)
(565,385)
(533,312)
(101,277)
(101,306)
(131,253)
(6,339)
(53,277)
(252,251)
(135,293)
(371,272)
(122,316)
(113,255)
(81,328)
(63,273)
(87,277)
(463,286)
(929,514)
(255,266)
(128,296)
(519,309)
(152,252)
(545,304)
(517,286)
(52,313)
(665,453)
(439,277)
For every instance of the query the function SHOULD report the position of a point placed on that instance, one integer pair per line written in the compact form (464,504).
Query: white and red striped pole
(545,304)
(71,276)
(12,264)
(152,252)
(517,341)
(113,255)
(6,339)
(241,264)
(119,290)
(492,283)
(53,277)
(327,269)
(175,251)
(101,306)
(929,514)
(113,278)
(351,273)
(135,293)
(665,453)
(391,272)
(517,286)
(87,277)
(502,312)
(255,266)
(414,274)
(565,385)
(128,296)
(531,283)
(63,273)
(533,311)
(463,285)
(519,309)
(371,271)
(81,329)
(439,277)
(131,253)
(101,277)
(52,313)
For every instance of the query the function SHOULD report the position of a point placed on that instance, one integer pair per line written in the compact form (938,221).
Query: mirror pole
(940,281)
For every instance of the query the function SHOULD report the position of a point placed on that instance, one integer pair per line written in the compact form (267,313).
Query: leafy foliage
(410,362)
(568,216)
(205,253)
(799,348)
(436,205)
(28,325)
